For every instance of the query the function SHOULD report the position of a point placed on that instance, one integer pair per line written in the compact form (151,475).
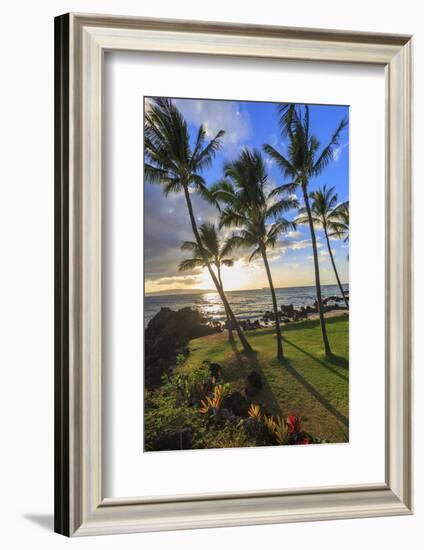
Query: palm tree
(304,161)
(340,226)
(248,207)
(325,213)
(171,162)
(217,253)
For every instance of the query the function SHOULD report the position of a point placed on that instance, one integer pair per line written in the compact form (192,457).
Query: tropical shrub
(255,412)
(280,431)
(192,386)
(212,404)
(168,423)
(189,411)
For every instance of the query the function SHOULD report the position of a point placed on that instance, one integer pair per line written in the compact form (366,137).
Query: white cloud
(215,116)
(288,244)
(177,282)
(338,151)
(323,254)
(273,140)
(304,243)
(277,142)
(298,245)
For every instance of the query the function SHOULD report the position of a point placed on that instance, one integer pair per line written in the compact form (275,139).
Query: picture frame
(80,506)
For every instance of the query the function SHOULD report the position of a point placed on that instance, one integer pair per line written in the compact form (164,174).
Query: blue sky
(247,124)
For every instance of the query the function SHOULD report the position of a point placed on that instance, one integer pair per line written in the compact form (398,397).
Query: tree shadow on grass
(285,363)
(252,362)
(335,359)
(339,361)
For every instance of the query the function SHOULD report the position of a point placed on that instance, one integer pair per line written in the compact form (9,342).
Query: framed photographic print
(233,275)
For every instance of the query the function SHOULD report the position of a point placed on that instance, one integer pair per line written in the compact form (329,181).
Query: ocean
(246,304)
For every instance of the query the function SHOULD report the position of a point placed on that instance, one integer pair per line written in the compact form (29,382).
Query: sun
(238,277)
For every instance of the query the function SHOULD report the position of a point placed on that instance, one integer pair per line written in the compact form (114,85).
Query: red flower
(305,441)
(294,424)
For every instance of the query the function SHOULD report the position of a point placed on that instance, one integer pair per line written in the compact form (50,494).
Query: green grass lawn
(305,383)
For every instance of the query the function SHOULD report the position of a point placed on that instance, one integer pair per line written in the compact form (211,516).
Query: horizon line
(173,291)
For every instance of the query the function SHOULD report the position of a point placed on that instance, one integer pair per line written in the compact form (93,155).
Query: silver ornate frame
(80,507)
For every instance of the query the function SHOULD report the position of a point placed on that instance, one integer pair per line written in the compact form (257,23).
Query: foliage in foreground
(189,412)
(305,384)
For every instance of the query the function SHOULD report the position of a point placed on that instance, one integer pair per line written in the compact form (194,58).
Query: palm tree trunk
(242,337)
(327,348)
(230,329)
(335,269)
(280,354)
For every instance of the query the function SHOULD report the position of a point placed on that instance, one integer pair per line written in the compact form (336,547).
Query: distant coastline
(178,291)
(182,291)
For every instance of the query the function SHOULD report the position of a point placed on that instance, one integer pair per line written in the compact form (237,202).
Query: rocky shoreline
(288,314)
(166,336)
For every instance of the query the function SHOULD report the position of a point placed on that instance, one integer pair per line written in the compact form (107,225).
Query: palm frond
(283,205)
(189,245)
(154,174)
(239,241)
(205,157)
(223,192)
(276,229)
(282,162)
(285,189)
(227,248)
(204,192)
(172,185)
(200,139)
(190,264)
(209,238)
(231,218)
(257,252)
(328,152)
(229,262)
(286,118)
(300,220)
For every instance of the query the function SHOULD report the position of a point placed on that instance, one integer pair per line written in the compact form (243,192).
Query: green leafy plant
(180,360)
(192,386)
(168,423)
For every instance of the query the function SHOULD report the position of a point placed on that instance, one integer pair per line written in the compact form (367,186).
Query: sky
(246,124)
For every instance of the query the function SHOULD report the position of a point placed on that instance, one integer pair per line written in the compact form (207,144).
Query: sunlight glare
(238,277)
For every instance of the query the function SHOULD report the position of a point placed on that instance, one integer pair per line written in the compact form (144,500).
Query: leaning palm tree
(304,161)
(218,255)
(325,214)
(248,206)
(172,162)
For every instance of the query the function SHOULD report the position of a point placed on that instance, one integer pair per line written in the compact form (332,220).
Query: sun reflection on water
(211,304)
